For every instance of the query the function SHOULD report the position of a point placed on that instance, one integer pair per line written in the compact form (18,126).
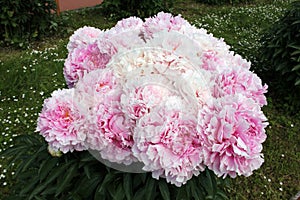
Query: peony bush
(159,96)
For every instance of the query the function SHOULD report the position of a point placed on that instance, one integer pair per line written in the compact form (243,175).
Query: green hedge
(22,21)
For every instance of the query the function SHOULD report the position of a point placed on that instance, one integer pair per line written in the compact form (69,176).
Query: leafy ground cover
(29,76)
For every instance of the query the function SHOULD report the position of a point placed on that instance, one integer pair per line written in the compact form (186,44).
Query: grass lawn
(29,76)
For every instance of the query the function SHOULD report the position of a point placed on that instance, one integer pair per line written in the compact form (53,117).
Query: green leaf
(295,52)
(30,186)
(296,22)
(88,186)
(13,150)
(119,192)
(195,190)
(127,185)
(181,195)
(32,159)
(86,169)
(164,190)
(297,82)
(140,194)
(294,46)
(70,173)
(46,167)
(297,67)
(108,178)
(150,189)
(209,183)
(222,195)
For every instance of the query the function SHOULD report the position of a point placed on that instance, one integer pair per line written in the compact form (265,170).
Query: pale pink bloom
(232,131)
(125,35)
(82,37)
(240,81)
(167,142)
(98,86)
(164,22)
(128,24)
(83,60)
(61,123)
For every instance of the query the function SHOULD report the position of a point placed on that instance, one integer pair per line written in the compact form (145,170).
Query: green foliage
(79,175)
(21,21)
(281,45)
(140,8)
(280,54)
(221,2)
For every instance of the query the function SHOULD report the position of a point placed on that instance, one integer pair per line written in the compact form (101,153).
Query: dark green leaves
(78,175)
(281,45)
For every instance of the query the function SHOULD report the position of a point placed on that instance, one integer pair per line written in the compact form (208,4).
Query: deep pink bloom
(232,131)
(61,123)
(83,60)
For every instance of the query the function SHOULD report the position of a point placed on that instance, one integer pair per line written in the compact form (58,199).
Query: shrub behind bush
(139,8)
(280,56)
(281,45)
(221,2)
(22,21)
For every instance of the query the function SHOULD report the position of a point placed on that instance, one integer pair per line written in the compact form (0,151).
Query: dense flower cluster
(162,93)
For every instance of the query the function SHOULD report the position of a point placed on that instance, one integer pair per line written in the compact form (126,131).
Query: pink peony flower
(141,94)
(98,86)
(112,136)
(83,37)
(125,35)
(128,24)
(165,21)
(240,81)
(98,93)
(83,60)
(61,123)
(232,131)
(161,92)
(166,141)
